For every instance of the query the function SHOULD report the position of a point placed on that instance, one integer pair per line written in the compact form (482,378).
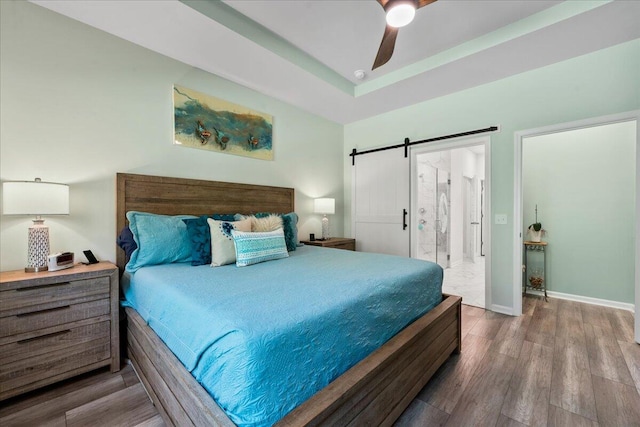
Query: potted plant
(536,231)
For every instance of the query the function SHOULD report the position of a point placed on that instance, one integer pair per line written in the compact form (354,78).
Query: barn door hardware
(408,144)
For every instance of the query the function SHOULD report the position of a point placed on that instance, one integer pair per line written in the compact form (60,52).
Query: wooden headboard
(175,196)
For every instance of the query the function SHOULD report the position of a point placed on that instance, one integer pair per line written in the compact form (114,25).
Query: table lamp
(324,206)
(35,198)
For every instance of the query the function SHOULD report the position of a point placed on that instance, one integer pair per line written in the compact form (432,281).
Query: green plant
(536,226)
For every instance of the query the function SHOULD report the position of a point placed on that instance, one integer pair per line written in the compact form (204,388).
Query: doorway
(602,214)
(448,216)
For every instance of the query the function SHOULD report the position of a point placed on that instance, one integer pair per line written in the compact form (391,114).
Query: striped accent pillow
(252,248)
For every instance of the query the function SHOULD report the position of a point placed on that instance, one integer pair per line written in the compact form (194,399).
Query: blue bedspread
(263,339)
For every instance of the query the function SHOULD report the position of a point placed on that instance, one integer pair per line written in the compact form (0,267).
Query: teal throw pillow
(161,239)
(253,248)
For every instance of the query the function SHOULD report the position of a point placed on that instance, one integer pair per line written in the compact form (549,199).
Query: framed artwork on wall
(209,123)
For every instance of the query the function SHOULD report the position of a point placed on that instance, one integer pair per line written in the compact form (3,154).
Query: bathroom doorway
(448,219)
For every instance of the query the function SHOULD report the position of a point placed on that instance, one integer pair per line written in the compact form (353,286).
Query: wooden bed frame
(376,391)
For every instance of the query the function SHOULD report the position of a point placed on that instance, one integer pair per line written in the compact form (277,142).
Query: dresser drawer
(44,368)
(32,321)
(52,339)
(42,297)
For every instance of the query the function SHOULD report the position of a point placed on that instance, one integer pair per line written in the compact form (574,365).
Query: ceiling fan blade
(425,2)
(420,3)
(386,47)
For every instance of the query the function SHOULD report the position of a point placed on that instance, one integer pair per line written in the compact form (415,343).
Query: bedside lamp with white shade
(324,206)
(35,198)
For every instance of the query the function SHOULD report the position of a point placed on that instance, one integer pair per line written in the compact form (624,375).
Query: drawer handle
(53,334)
(33,313)
(51,285)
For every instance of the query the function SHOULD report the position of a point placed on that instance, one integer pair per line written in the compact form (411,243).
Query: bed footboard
(180,399)
(378,389)
(374,392)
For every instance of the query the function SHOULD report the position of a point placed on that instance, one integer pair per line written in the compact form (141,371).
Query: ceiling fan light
(400,14)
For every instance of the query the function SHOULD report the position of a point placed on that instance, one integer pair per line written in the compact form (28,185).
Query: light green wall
(601,83)
(79,105)
(583,182)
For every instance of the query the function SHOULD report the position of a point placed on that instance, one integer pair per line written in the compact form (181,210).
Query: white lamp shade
(324,206)
(34,198)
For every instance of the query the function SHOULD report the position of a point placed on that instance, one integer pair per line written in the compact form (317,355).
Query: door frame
(518,202)
(451,144)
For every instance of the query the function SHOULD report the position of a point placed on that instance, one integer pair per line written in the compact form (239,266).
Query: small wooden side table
(334,242)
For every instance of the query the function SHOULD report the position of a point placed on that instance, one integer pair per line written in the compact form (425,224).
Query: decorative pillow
(223,251)
(289,225)
(252,248)
(160,239)
(200,237)
(126,242)
(267,223)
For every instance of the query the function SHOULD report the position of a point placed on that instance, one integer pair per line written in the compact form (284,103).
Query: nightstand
(333,242)
(54,325)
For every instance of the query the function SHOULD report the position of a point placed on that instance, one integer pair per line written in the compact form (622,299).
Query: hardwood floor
(560,364)
(98,398)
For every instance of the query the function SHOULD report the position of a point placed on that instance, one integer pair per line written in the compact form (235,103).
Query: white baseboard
(501,309)
(586,300)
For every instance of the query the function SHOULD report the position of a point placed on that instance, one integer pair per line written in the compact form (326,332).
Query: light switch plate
(501,219)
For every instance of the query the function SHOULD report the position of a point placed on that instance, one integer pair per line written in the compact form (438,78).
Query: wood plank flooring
(560,364)
(99,398)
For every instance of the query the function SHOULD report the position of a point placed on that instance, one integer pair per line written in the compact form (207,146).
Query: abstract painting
(205,122)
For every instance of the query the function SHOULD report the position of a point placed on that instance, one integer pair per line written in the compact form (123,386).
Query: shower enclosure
(434,213)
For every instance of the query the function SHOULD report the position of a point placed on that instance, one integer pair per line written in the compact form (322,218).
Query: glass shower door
(443,218)
(434,218)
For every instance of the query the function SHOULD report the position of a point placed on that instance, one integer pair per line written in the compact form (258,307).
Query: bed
(373,392)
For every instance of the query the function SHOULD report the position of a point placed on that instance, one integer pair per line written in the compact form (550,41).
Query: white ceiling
(305,52)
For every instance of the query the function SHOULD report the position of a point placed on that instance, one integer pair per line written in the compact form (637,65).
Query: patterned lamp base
(325,228)
(38,247)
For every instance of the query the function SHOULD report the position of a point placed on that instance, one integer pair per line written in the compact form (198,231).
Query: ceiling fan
(399,13)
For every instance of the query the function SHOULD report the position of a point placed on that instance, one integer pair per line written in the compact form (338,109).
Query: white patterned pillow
(252,248)
(223,250)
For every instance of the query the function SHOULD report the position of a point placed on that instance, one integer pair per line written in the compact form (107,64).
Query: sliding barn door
(381,202)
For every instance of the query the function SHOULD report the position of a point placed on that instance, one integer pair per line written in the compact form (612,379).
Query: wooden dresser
(334,242)
(54,325)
